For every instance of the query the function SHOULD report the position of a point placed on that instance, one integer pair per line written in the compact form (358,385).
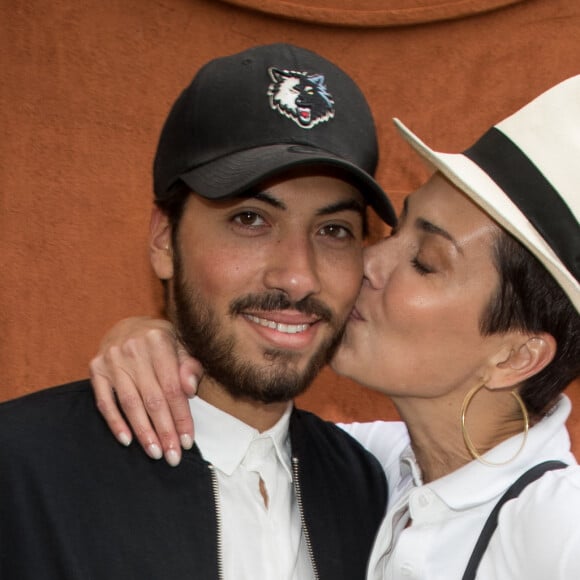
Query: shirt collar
(477,483)
(224,440)
(410,470)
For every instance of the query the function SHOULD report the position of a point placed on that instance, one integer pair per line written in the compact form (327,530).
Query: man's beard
(274,379)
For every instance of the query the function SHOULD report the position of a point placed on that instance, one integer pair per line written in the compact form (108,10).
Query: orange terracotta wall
(85,86)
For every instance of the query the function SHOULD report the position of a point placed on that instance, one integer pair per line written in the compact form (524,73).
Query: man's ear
(526,357)
(160,250)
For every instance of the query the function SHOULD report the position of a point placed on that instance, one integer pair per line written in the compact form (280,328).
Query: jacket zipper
(298,492)
(216,496)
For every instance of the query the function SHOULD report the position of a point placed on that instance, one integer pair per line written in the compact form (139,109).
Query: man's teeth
(287,328)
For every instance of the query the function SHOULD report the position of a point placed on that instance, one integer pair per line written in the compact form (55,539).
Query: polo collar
(476,483)
(224,440)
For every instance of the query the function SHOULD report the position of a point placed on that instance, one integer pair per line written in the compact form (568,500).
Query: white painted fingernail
(155,451)
(186,441)
(193,382)
(172,457)
(124,439)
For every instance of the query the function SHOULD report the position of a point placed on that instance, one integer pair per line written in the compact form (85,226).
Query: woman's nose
(378,262)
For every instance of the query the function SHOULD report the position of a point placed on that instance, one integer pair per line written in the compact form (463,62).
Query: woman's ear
(160,250)
(526,358)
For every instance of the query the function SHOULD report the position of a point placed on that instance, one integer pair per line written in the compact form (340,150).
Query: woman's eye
(422,268)
(249,219)
(336,231)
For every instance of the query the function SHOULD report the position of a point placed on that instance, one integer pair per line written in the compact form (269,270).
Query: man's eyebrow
(265,197)
(348,205)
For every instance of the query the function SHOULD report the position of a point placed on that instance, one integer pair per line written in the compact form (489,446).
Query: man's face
(262,285)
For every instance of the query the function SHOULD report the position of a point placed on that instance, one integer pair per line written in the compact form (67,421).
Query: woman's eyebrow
(405,209)
(430,228)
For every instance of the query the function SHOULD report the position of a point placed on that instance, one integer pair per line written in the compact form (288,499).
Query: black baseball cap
(254,115)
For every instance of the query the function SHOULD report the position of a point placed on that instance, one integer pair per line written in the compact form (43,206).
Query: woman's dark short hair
(528,299)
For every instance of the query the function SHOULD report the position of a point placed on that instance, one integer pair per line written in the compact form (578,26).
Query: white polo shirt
(538,534)
(257,541)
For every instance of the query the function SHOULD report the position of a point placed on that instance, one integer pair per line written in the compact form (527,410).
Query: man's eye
(249,219)
(336,231)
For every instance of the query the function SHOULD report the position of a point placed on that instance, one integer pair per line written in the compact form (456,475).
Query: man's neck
(260,416)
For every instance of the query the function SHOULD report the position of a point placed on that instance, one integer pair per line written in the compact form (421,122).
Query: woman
(468,318)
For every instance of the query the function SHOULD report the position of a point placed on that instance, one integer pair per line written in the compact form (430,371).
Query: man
(261,179)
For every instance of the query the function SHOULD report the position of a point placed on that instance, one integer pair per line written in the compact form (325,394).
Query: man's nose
(293,268)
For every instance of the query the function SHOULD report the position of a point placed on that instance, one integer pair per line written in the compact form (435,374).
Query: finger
(190,372)
(107,404)
(139,355)
(165,402)
(126,375)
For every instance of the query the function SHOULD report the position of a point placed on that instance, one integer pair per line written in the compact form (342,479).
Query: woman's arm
(142,368)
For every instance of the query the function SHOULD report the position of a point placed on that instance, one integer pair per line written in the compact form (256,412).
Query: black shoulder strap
(491,523)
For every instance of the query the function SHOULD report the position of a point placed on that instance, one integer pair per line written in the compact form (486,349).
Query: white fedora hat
(525,173)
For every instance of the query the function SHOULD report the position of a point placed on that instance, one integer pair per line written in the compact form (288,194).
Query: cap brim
(237,173)
(480,188)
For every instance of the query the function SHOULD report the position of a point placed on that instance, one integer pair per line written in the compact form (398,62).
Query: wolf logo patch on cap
(300,96)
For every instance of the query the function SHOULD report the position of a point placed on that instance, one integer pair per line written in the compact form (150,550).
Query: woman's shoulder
(386,440)
(558,490)
(539,531)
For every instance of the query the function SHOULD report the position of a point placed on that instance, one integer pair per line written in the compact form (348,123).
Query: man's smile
(284,329)
(280,327)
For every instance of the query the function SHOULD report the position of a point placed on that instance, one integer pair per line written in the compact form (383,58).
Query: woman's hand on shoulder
(143,370)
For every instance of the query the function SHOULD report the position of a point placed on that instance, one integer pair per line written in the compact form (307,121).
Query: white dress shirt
(258,541)
(538,534)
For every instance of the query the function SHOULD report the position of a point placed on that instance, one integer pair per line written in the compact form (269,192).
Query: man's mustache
(279,301)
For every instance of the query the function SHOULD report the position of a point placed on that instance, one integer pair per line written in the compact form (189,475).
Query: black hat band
(531,192)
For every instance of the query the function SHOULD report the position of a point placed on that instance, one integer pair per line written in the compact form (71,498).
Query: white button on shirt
(258,541)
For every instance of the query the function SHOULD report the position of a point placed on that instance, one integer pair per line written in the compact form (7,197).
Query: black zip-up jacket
(77,505)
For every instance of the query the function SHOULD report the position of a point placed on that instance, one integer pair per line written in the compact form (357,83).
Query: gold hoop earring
(467,439)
